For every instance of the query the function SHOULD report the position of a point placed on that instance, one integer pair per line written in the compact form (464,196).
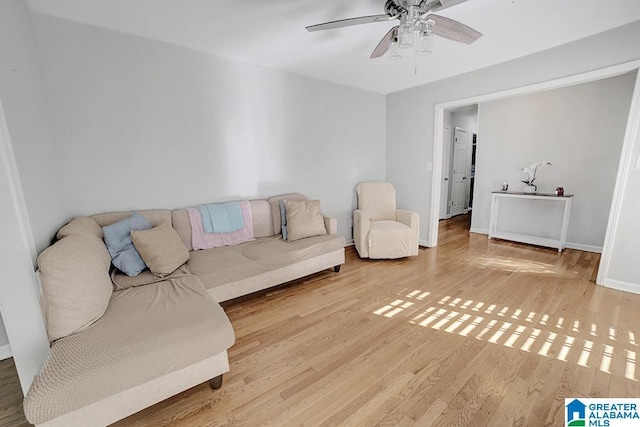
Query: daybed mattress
(219,266)
(147,332)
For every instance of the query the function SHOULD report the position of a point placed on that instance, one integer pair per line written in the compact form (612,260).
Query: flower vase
(530,188)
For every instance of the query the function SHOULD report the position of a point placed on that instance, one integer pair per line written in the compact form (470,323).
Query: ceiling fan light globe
(425,43)
(406,34)
(394,50)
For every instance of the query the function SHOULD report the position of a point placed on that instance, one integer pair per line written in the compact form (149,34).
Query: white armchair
(379,229)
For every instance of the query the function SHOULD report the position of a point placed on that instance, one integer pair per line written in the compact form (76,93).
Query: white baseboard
(578,246)
(586,248)
(634,288)
(424,243)
(5,351)
(350,242)
(478,230)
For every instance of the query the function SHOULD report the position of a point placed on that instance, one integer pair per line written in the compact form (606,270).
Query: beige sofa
(159,336)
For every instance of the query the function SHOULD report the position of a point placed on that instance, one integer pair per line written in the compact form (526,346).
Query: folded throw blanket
(202,240)
(221,217)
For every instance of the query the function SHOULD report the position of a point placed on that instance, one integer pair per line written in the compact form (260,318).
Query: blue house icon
(575,407)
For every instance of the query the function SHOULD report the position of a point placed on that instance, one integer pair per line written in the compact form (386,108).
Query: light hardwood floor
(474,332)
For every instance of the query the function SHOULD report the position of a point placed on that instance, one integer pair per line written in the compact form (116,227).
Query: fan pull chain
(415,62)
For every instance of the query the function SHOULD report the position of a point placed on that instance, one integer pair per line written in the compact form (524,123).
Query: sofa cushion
(180,223)
(275,208)
(117,237)
(219,266)
(304,219)
(81,225)
(160,248)
(262,220)
(154,216)
(75,283)
(122,281)
(147,332)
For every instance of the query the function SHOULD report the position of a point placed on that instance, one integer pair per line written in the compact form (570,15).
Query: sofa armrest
(412,220)
(361,226)
(331,224)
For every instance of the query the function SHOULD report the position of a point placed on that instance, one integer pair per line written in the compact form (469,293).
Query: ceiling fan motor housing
(392,9)
(400,7)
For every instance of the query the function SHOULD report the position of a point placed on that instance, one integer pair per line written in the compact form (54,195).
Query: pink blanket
(202,240)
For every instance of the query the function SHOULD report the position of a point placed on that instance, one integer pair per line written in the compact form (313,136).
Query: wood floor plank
(475,332)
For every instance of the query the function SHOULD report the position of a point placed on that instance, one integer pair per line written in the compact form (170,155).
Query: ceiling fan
(417,24)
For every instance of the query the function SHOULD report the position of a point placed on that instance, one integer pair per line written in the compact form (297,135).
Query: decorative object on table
(559,191)
(529,183)
(505,187)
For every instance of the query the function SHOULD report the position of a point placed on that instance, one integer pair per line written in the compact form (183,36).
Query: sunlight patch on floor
(510,327)
(512,264)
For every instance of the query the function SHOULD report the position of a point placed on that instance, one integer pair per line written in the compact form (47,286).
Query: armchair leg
(216,382)
(337,268)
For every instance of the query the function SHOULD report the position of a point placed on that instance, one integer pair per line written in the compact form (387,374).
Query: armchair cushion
(378,198)
(389,239)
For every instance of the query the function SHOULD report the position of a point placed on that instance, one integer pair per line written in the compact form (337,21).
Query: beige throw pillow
(304,219)
(81,225)
(75,283)
(160,248)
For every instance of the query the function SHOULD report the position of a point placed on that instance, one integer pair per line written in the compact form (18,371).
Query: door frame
(20,305)
(445,197)
(632,126)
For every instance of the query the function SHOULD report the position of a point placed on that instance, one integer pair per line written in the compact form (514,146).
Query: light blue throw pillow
(283,219)
(117,237)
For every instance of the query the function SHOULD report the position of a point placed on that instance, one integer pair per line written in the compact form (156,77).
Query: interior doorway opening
(460,139)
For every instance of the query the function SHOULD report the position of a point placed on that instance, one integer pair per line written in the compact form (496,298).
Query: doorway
(633,124)
(458,161)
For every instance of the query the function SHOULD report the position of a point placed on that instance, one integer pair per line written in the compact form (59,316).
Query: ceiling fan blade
(383,46)
(453,30)
(349,22)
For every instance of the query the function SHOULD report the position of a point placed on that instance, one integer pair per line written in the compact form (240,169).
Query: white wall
(25,105)
(465,118)
(410,113)
(580,130)
(142,124)
(30,183)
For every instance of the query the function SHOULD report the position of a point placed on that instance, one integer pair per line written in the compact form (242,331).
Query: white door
(446,171)
(459,177)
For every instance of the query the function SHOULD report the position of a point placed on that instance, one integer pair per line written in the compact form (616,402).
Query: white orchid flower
(532,170)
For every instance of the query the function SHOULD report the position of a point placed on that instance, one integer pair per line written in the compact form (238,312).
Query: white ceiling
(272,33)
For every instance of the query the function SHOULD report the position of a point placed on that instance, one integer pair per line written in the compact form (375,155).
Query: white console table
(525,238)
